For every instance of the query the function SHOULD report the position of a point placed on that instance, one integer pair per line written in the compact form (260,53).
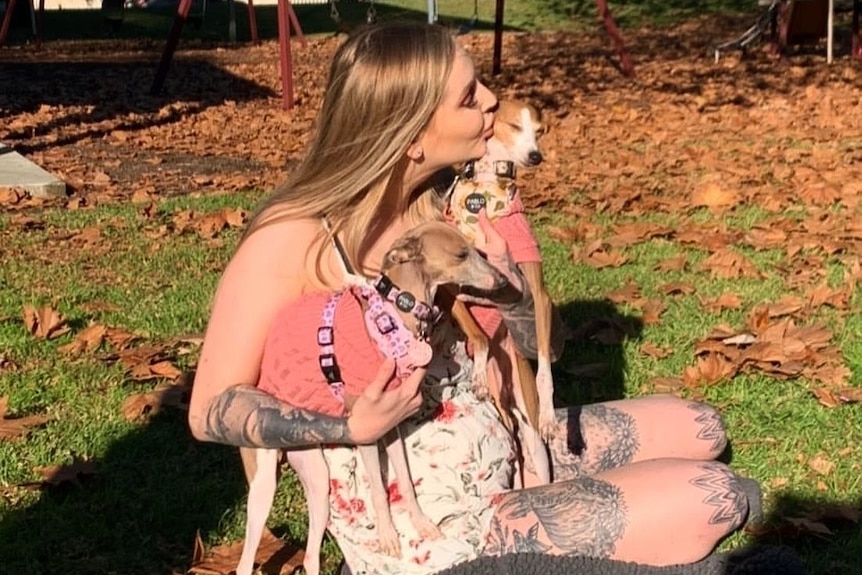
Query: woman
(402,103)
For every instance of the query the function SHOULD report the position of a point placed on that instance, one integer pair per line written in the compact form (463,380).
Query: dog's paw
(426,528)
(389,543)
(547,426)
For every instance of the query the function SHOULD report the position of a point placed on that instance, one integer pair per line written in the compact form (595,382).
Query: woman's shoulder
(278,245)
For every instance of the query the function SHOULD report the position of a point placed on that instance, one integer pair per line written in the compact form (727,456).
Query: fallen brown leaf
(274,557)
(17,427)
(145,405)
(44,322)
(71,473)
(88,340)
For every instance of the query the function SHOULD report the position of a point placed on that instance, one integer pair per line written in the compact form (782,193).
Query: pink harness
(385,327)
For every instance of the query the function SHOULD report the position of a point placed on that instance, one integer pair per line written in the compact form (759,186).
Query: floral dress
(461,459)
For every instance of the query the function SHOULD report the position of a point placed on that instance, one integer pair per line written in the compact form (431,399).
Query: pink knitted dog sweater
(290,369)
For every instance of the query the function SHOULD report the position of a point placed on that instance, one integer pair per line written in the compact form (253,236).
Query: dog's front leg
(479,342)
(313,473)
(386,532)
(261,466)
(547,422)
(397,456)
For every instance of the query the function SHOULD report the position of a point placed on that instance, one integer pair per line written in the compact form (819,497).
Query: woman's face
(464,120)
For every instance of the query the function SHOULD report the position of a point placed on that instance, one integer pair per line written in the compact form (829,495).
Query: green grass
(155,487)
(212,25)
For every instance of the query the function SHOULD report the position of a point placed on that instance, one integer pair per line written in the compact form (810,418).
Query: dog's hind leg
(386,532)
(313,473)
(261,466)
(423,524)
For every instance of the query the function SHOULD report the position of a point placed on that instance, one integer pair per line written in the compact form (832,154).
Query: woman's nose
(486,98)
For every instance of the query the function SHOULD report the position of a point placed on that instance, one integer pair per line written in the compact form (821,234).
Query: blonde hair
(385,82)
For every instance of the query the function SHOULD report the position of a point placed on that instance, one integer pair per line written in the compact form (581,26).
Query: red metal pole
(294,21)
(498,37)
(7,20)
(284,56)
(173,39)
(614,32)
(856,47)
(252,22)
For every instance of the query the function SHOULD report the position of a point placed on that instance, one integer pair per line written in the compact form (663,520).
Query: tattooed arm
(244,416)
(518,307)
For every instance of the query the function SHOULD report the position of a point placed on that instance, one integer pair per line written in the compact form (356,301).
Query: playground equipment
(796,22)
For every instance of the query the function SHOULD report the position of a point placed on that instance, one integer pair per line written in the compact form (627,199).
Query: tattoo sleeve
(519,315)
(244,416)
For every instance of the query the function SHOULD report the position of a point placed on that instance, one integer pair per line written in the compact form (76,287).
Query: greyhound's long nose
(535,157)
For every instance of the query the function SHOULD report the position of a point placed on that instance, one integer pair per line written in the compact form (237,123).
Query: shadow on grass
(98,90)
(826,534)
(138,514)
(592,367)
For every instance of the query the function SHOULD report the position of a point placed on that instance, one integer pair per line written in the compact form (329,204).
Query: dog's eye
(516,127)
(462,255)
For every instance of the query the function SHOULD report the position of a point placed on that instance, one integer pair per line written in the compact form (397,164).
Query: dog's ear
(406,249)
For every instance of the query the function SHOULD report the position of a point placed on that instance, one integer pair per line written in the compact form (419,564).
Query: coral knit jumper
(290,369)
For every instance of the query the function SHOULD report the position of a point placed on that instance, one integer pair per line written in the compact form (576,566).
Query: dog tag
(405,301)
(420,353)
(475,202)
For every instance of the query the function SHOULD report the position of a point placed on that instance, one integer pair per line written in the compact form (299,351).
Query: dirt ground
(772,130)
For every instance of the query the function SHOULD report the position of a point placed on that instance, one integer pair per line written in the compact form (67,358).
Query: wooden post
(284,54)
(252,22)
(171,47)
(498,37)
(7,21)
(40,20)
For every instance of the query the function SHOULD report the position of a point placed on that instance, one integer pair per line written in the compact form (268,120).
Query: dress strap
(342,254)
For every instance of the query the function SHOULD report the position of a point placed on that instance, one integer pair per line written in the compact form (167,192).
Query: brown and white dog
(489,183)
(395,315)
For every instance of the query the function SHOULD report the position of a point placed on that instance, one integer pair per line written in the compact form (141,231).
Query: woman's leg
(657,512)
(604,436)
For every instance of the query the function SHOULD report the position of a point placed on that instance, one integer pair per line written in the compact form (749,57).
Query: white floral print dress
(461,458)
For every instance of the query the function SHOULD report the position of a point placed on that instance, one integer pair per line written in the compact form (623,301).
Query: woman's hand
(379,409)
(493,245)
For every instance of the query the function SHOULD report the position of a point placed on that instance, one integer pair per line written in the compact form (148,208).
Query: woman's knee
(710,433)
(724,494)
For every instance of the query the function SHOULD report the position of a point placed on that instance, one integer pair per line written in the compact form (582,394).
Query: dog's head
(435,254)
(518,127)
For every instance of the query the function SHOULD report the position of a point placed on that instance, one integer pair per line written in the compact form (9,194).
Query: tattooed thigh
(592,438)
(583,516)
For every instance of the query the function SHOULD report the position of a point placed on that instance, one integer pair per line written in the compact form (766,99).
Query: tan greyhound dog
(343,332)
(489,183)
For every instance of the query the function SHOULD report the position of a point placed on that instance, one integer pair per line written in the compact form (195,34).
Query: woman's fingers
(493,244)
(379,383)
(380,408)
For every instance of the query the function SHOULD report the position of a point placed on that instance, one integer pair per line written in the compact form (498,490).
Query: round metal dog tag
(405,301)
(420,353)
(475,202)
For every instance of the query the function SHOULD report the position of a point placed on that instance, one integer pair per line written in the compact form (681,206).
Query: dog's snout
(535,157)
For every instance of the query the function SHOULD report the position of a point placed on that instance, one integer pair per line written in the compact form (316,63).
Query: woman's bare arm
(267,272)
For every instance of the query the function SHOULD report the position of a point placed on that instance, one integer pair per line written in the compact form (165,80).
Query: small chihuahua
(396,314)
(489,183)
